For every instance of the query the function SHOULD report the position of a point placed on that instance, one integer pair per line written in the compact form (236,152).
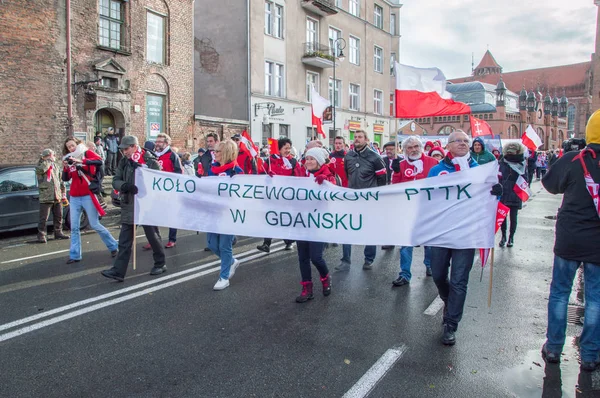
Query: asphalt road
(65,331)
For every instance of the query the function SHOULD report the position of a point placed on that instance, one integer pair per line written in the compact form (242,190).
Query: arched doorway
(103,120)
(446,130)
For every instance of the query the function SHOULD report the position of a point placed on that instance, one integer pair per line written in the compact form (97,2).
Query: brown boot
(41,238)
(61,235)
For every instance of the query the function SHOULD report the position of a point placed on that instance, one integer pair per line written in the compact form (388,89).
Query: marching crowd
(355,165)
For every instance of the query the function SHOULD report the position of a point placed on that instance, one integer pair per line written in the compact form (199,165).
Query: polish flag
(318,106)
(249,144)
(501,214)
(530,139)
(479,127)
(273,146)
(422,92)
(521,188)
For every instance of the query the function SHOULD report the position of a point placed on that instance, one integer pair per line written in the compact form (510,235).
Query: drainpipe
(249,90)
(69,85)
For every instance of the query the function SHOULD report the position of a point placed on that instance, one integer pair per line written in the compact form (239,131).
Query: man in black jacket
(577,176)
(365,169)
(212,139)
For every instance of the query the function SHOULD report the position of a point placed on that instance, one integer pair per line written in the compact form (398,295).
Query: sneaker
(550,357)
(511,242)
(502,241)
(157,270)
(428,271)
(368,265)
(264,248)
(147,246)
(387,247)
(288,246)
(448,337)
(61,236)
(334,245)
(221,284)
(114,253)
(344,266)
(589,366)
(207,249)
(401,281)
(170,245)
(236,263)
(112,274)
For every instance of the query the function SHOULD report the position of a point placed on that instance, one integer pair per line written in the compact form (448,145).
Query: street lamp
(338,54)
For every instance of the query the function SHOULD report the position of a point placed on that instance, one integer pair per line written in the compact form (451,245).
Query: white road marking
(29,258)
(82,311)
(367,383)
(434,307)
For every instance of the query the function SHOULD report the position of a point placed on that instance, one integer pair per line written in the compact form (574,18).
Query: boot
(307,292)
(503,240)
(326,281)
(511,241)
(41,238)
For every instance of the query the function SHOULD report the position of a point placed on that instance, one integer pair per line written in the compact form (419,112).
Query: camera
(70,160)
(573,144)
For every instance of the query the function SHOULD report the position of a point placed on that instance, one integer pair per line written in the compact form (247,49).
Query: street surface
(65,331)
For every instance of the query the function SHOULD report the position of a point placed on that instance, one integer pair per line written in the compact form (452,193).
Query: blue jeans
(172,235)
(427,258)
(563,274)
(406,255)
(311,251)
(370,252)
(222,246)
(454,291)
(78,204)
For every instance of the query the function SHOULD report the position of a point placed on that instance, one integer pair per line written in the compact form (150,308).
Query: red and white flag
(521,188)
(319,104)
(249,144)
(422,92)
(479,127)
(530,139)
(501,214)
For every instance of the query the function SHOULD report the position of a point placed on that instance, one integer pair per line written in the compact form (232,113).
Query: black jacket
(388,166)
(531,161)
(206,159)
(365,169)
(508,179)
(577,224)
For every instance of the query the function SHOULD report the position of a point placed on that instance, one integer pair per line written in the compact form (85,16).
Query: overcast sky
(520,34)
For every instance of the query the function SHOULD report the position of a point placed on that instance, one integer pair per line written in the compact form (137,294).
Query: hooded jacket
(325,171)
(484,156)
(365,169)
(50,184)
(508,179)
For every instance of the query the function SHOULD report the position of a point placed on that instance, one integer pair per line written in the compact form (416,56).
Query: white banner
(453,210)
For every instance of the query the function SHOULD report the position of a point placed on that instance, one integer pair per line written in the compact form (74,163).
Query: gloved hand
(396,165)
(134,164)
(496,190)
(129,188)
(319,179)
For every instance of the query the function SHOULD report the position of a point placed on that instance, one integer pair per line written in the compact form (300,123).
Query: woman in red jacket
(316,167)
(80,166)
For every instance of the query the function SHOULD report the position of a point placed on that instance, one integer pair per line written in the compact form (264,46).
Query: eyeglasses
(460,141)
(217,150)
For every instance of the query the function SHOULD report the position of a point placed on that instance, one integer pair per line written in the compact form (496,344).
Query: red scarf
(221,170)
(49,172)
(592,187)
(138,156)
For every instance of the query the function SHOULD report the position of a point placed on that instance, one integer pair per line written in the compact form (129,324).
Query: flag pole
(491,278)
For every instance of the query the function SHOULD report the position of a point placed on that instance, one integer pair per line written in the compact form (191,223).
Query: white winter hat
(318,154)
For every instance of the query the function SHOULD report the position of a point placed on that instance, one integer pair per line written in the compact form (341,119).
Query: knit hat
(437,150)
(513,148)
(428,143)
(149,145)
(318,154)
(592,130)
(47,152)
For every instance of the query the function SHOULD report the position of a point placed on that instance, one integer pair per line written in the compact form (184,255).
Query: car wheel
(84,222)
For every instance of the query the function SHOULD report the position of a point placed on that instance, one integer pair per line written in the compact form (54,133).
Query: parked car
(20,200)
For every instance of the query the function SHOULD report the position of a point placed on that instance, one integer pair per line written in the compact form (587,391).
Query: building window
(338,3)
(571,119)
(273,19)
(378,17)
(354,50)
(266,133)
(312,35)
(284,130)
(274,81)
(378,59)
(312,79)
(155,38)
(109,82)
(334,93)
(334,34)
(393,24)
(110,24)
(378,102)
(354,97)
(354,7)
(155,115)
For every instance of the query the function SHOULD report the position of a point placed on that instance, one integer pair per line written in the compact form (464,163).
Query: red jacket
(277,166)
(325,171)
(246,162)
(407,172)
(337,166)
(170,162)
(79,186)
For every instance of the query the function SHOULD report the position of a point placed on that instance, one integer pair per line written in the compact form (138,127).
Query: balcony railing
(320,7)
(317,55)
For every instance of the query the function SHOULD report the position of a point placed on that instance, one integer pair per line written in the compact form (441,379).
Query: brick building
(131,68)
(596,64)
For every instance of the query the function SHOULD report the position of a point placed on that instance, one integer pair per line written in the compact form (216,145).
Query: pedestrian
(390,156)
(512,166)
(336,159)
(317,168)
(188,166)
(496,153)
(112,149)
(52,192)
(79,166)
(365,169)
(479,153)
(576,175)
(428,146)
(169,162)
(225,164)
(244,159)
(437,152)
(541,164)
(124,182)
(531,160)
(100,148)
(208,157)
(282,164)
(415,166)
(453,291)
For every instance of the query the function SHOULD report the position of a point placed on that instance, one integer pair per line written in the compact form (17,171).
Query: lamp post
(338,46)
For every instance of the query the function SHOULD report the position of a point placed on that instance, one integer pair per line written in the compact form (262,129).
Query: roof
(483,108)
(488,61)
(469,86)
(572,76)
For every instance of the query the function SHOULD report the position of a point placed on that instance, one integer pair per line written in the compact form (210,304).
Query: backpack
(96,179)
